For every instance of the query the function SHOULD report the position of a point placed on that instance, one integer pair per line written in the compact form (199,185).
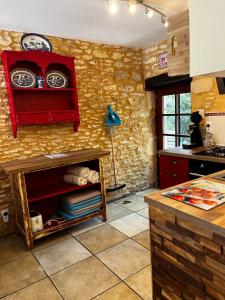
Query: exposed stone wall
(203,88)
(105,75)
(205,95)
(150,68)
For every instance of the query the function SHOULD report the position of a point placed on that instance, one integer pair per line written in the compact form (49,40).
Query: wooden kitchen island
(187,249)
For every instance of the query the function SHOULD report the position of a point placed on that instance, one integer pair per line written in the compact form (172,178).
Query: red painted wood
(49,183)
(53,191)
(28,118)
(41,104)
(173,170)
(63,116)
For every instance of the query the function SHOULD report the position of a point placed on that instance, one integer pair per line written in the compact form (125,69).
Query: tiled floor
(93,260)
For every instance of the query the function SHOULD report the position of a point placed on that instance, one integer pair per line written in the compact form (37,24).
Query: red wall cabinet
(46,105)
(173,170)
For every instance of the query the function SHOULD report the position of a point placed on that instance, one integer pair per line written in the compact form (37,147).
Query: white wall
(207,36)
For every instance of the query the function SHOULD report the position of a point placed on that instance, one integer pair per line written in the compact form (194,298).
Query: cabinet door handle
(173,174)
(174,162)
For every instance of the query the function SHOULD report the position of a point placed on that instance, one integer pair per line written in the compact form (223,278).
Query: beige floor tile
(85,280)
(101,238)
(62,255)
(11,248)
(42,290)
(131,225)
(19,274)
(85,226)
(119,292)
(143,239)
(135,203)
(126,258)
(115,211)
(141,283)
(146,192)
(51,240)
(143,212)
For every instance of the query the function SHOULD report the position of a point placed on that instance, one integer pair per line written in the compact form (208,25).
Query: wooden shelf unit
(37,184)
(31,106)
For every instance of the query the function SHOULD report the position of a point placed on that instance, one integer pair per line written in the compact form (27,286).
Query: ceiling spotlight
(164,20)
(132,6)
(149,12)
(113,6)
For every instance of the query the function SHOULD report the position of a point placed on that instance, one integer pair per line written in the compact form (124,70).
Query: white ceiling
(87,20)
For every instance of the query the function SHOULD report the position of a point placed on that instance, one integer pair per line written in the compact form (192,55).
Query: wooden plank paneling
(178,33)
(186,263)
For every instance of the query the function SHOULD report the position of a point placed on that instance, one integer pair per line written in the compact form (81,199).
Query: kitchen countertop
(190,153)
(213,219)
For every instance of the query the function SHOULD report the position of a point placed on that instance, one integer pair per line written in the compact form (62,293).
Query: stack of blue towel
(80,204)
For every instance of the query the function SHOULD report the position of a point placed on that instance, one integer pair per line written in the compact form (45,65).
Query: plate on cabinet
(34,41)
(23,78)
(56,79)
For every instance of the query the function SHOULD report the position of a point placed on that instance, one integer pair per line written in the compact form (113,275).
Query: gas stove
(218,151)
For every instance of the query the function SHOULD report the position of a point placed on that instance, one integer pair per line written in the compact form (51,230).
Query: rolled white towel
(93,176)
(69,178)
(78,171)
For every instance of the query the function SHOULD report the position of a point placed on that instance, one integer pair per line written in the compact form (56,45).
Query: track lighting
(132,6)
(149,12)
(113,6)
(164,20)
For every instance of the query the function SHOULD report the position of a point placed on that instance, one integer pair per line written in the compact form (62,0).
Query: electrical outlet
(5,215)
(208,126)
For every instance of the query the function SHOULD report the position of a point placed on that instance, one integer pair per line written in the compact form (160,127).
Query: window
(173,112)
(176,112)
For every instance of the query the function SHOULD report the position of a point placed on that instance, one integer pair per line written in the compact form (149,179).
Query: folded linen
(82,204)
(93,176)
(70,217)
(79,211)
(81,196)
(78,171)
(74,179)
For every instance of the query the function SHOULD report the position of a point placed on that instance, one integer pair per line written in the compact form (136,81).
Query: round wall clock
(56,79)
(34,41)
(23,78)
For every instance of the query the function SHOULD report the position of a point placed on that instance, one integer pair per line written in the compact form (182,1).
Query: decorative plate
(56,79)
(34,41)
(23,78)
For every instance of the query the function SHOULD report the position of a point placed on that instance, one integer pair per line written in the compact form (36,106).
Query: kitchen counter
(187,248)
(190,153)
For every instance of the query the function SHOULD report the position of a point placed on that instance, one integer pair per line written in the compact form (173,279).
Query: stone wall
(203,88)
(205,95)
(150,57)
(105,75)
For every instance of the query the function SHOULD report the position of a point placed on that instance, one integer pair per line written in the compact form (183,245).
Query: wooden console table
(37,184)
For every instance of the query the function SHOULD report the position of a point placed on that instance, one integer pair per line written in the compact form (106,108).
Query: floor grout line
(133,289)
(23,288)
(53,244)
(56,287)
(92,254)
